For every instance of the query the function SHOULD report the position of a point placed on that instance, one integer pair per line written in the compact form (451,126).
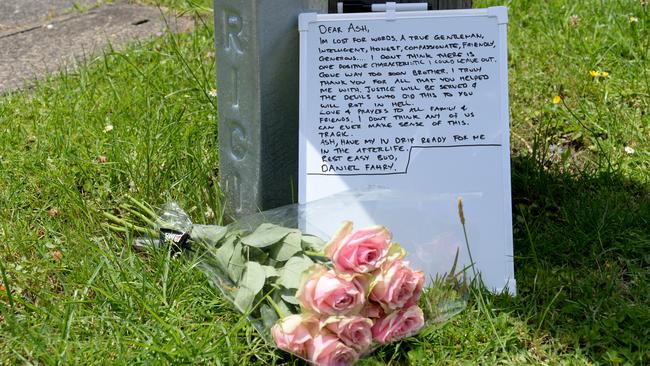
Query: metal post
(257,82)
(451,4)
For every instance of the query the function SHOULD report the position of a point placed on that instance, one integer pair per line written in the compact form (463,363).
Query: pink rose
(354,331)
(327,293)
(294,333)
(359,252)
(398,324)
(397,286)
(328,350)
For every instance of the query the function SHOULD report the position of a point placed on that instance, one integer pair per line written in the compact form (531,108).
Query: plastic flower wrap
(330,301)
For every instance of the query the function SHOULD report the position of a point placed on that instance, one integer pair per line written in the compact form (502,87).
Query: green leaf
(283,307)
(272,263)
(250,285)
(270,272)
(237,263)
(266,235)
(257,255)
(269,316)
(291,273)
(286,248)
(230,258)
(209,234)
(287,295)
(224,253)
(312,242)
(290,299)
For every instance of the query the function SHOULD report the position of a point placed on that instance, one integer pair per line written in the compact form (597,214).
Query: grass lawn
(142,121)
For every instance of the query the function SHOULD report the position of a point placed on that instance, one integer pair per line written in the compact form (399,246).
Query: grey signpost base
(257,85)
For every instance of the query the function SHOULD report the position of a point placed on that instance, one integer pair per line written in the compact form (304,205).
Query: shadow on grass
(582,260)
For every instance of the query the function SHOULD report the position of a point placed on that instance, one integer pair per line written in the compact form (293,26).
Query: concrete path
(41,36)
(16,13)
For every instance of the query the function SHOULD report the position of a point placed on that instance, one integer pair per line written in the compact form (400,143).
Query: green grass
(76,294)
(188,6)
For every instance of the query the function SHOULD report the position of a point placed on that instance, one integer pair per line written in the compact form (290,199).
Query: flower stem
(142,206)
(316,254)
(275,307)
(469,251)
(461,215)
(142,217)
(124,225)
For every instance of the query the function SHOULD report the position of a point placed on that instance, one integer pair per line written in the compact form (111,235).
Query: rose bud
(397,286)
(354,331)
(398,324)
(360,252)
(294,333)
(326,293)
(328,350)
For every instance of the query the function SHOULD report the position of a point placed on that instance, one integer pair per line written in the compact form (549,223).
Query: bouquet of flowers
(365,293)
(329,303)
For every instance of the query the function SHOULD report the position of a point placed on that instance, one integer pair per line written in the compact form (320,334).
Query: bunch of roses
(370,295)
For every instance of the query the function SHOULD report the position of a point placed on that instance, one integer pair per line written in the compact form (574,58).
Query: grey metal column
(451,4)
(257,82)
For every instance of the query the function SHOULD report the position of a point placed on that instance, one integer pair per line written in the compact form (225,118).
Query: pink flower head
(397,286)
(295,333)
(354,331)
(328,350)
(398,324)
(326,293)
(360,252)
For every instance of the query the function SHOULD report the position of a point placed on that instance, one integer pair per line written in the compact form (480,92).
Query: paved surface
(14,13)
(43,45)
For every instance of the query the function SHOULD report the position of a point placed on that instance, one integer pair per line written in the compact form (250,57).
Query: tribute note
(384,88)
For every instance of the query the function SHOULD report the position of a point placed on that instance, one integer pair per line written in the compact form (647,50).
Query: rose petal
(338,237)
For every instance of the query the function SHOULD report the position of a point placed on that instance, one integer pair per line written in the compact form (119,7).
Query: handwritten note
(384,91)
(414,101)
